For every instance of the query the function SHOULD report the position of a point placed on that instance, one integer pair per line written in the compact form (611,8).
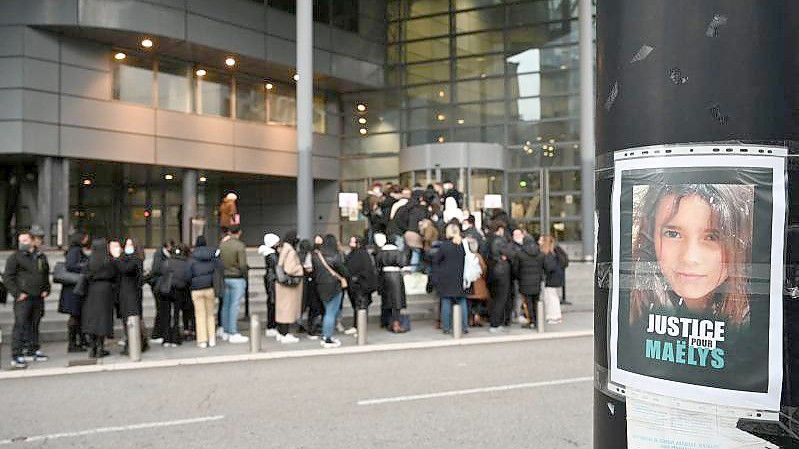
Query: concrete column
(189,204)
(305,195)
(44,197)
(587,144)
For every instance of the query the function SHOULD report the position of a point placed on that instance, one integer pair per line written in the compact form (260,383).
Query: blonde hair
(452,231)
(548,243)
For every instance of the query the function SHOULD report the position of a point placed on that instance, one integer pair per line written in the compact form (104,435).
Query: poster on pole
(696,302)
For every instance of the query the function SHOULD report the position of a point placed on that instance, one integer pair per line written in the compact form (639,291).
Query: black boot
(101,352)
(93,348)
(74,339)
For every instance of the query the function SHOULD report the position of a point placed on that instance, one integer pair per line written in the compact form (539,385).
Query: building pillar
(189,196)
(44,198)
(305,194)
(587,145)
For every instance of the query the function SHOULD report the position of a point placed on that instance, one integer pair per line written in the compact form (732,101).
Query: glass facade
(491,71)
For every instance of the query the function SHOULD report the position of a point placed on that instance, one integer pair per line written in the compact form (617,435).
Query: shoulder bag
(341,279)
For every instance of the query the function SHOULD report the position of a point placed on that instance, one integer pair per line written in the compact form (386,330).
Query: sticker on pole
(696,302)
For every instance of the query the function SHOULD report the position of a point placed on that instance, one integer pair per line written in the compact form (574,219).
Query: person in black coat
(102,276)
(554,279)
(174,289)
(448,265)
(131,274)
(270,277)
(363,275)
(389,261)
(528,268)
(328,271)
(153,278)
(70,303)
(310,297)
(499,274)
(203,270)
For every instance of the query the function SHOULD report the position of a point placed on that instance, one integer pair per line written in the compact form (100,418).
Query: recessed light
(147,43)
(87,182)
(363,131)
(440,139)
(269,86)
(441,117)
(441,93)
(461,121)
(551,140)
(361,107)
(296,77)
(201,72)
(230,61)
(362,120)
(120,56)
(203,179)
(169,177)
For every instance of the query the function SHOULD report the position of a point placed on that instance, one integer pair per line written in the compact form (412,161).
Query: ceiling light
(296,77)
(441,117)
(576,146)
(361,107)
(539,138)
(441,93)
(87,182)
(269,86)
(551,140)
(230,61)
(203,179)
(363,131)
(169,177)
(461,121)
(440,139)
(120,56)
(527,143)
(362,120)
(563,67)
(147,43)
(201,72)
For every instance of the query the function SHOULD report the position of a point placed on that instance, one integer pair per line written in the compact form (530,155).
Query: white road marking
(443,394)
(148,425)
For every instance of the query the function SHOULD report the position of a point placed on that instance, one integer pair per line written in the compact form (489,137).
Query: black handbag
(81,286)
(3,293)
(63,276)
(285,279)
(165,283)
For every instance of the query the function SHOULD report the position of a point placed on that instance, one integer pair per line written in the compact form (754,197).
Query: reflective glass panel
(426,50)
(482,89)
(250,101)
(133,80)
(426,27)
(427,72)
(477,43)
(480,19)
(479,66)
(214,94)
(174,86)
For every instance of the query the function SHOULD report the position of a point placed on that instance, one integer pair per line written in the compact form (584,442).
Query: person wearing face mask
(204,266)
(270,277)
(70,303)
(102,276)
(130,264)
(27,278)
(288,294)
(156,271)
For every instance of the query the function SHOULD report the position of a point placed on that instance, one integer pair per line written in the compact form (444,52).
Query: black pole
(686,71)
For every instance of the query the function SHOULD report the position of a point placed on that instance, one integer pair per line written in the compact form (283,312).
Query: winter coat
(234,258)
(554,273)
(327,284)
(97,316)
(528,267)
(288,302)
(27,272)
(398,224)
(377,220)
(178,267)
(75,262)
(499,266)
(270,276)
(480,286)
(448,270)
(130,286)
(392,286)
(202,267)
(227,213)
(156,269)
(362,276)
(416,213)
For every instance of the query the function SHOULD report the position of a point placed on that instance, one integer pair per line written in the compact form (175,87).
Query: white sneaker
(224,336)
(330,343)
(238,338)
(220,331)
(270,333)
(212,342)
(313,337)
(351,331)
(494,330)
(202,345)
(288,339)
(121,342)
(522,320)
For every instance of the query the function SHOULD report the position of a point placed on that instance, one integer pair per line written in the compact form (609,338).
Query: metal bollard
(540,321)
(361,324)
(134,338)
(457,321)
(255,333)
(1,349)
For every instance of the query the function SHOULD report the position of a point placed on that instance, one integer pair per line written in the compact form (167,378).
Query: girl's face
(688,248)
(353,242)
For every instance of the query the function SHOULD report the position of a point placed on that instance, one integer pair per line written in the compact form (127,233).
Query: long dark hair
(100,255)
(329,245)
(731,212)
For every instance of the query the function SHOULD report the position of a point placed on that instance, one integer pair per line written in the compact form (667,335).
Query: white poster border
(776,162)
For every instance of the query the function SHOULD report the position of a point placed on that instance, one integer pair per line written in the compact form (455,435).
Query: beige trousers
(204,314)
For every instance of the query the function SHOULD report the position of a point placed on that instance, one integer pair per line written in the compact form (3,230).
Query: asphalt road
(530,394)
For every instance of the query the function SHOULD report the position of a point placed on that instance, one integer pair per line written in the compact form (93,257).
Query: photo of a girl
(691,251)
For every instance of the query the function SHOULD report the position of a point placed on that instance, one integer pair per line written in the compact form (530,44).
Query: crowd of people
(498,273)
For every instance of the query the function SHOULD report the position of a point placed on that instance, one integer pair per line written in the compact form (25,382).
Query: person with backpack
(554,279)
(363,277)
(203,267)
(448,278)
(330,274)
(174,288)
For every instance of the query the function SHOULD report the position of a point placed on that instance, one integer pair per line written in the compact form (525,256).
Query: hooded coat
(75,262)
(102,275)
(130,285)
(448,270)
(270,264)
(202,267)
(363,277)
(529,268)
(288,299)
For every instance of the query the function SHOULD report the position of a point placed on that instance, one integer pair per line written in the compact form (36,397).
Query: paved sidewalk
(422,335)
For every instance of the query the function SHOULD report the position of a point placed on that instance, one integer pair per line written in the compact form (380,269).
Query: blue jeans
(332,306)
(234,291)
(416,257)
(446,312)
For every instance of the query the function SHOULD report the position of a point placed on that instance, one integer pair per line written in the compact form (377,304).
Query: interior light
(539,138)
(361,107)
(201,72)
(441,93)
(461,121)
(296,77)
(363,131)
(168,177)
(440,139)
(441,117)
(120,56)
(87,182)
(269,86)
(147,43)
(522,184)
(362,120)
(230,61)
(551,140)
(203,179)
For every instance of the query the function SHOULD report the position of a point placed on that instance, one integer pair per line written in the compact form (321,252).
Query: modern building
(116,115)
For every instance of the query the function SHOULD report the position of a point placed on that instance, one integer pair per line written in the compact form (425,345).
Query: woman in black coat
(363,275)
(174,295)
(131,270)
(70,302)
(389,261)
(499,274)
(448,264)
(97,315)
(528,268)
(328,270)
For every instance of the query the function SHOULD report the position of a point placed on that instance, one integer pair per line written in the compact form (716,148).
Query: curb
(278,355)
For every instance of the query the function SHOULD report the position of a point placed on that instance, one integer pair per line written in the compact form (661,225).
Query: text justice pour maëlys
(700,347)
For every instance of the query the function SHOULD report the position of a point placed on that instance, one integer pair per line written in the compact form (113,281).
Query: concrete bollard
(361,325)
(540,321)
(1,349)
(457,321)
(134,338)
(255,333)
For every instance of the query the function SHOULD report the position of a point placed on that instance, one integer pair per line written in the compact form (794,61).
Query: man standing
(27,277)
(234,259)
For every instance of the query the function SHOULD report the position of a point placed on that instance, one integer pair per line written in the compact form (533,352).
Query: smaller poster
(696,302)
(492,201)
(348,200)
